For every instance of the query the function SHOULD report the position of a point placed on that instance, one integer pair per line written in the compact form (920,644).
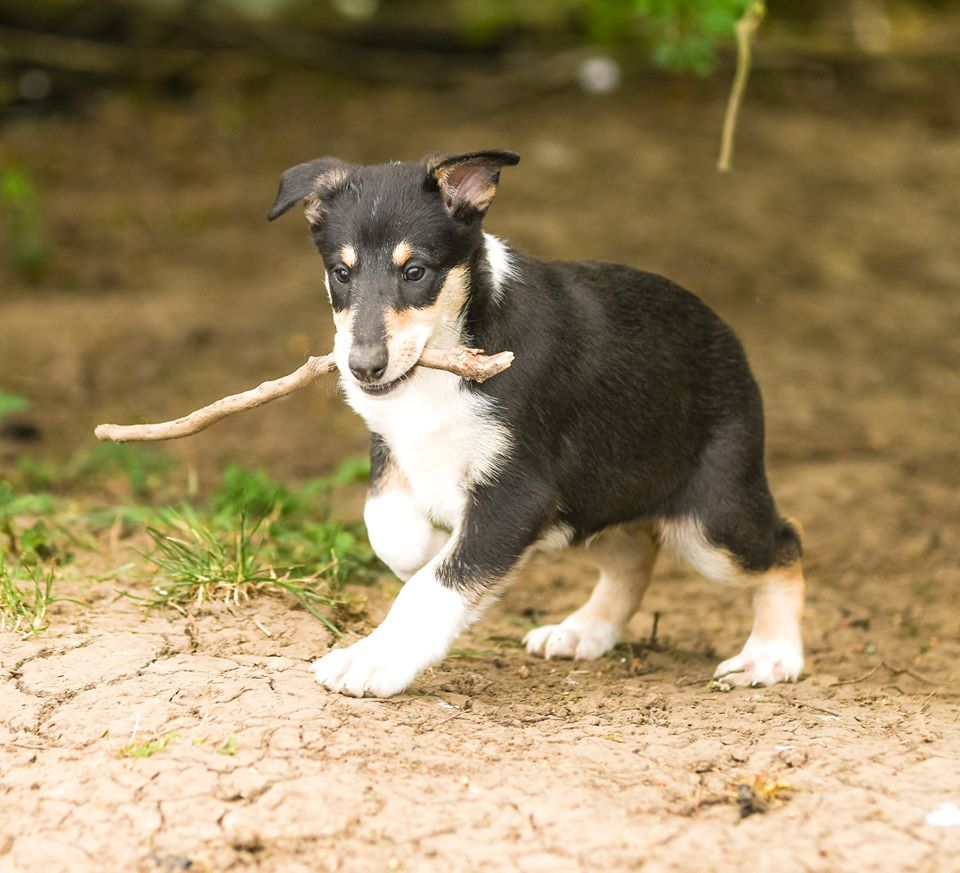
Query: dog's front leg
(441,599)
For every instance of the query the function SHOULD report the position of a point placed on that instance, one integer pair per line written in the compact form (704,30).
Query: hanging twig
(745,28)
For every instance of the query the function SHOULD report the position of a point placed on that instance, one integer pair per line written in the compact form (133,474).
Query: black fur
(629,398)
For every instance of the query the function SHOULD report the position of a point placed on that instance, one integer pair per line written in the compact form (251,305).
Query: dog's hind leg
(774,650)
(734,534)
(400,533)
(625,558)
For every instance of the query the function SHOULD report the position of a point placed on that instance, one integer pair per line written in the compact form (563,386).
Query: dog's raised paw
(579,640)
(365,669)
(763,662)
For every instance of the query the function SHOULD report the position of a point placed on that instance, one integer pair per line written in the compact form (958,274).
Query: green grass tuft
(202,558)
(10,403)
(252,536)
(26,593)
(146,748)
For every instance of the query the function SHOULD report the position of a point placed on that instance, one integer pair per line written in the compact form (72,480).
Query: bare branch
(745,28)
(470,364)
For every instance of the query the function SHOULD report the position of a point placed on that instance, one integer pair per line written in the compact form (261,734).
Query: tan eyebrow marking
(348,254)
(402,253)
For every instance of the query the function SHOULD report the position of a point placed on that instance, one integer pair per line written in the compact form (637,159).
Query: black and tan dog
(629,421)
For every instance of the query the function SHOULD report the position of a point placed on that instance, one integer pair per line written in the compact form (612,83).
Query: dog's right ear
(468,182)
(313,182)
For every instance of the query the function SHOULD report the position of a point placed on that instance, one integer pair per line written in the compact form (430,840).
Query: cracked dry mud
(492,761)
(832,250)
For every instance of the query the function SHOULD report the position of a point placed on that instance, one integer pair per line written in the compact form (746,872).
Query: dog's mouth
(386,387)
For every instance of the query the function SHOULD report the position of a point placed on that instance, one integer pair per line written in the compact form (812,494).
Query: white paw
(764,662)
(581,640)
(367,668)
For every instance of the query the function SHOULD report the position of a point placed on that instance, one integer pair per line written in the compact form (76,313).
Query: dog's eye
(342,275)
(414,274)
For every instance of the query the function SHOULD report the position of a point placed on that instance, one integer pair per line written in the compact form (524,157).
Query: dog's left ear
(312,181)
(468,182)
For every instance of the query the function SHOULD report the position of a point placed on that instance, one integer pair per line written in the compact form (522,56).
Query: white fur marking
(400,533)
(419,629)
(499,262)
(443,439)
(764,662)
(575,638)
(686,539)
(554,539)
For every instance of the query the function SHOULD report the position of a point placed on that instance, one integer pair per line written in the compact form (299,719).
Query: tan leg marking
(625,557)
(774,650)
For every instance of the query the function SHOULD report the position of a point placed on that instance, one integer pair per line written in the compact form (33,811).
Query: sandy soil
(832,251)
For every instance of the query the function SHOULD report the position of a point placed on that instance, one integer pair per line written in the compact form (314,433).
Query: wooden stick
(470,364)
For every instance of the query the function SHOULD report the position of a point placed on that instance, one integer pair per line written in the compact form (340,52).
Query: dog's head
(397,241)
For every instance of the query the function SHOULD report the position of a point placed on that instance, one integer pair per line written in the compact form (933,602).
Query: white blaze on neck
(499,262)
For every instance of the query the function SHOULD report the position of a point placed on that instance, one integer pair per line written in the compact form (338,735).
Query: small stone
(245,840)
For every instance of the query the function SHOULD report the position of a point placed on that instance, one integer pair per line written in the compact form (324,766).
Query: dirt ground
(832,250)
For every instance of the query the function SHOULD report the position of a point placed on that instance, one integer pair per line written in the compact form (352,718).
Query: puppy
(629,421)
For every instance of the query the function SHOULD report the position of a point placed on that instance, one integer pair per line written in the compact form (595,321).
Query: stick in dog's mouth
(470,364)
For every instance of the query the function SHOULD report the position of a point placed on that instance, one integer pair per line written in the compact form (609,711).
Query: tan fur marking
(391,478)
(348,254)
(625,558)
(443,313)
(341,320)
(453,295)
(331,179)
(400,322)
(454,191)
(314,208)
(402,253)
(778,602)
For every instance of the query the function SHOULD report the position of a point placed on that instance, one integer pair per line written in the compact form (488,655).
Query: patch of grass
(229,747)
(200,562)
(252,536)
(26,593)
(10,403)
(145,470)
(35,548)
(253,492)
(201,559)
(23,215)
(146,748)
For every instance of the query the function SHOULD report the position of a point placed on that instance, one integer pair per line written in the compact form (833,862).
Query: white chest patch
(444,439)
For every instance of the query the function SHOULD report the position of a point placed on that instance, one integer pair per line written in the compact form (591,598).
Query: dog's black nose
(368,363)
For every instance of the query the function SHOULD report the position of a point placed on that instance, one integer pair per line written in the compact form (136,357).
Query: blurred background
(141,144)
